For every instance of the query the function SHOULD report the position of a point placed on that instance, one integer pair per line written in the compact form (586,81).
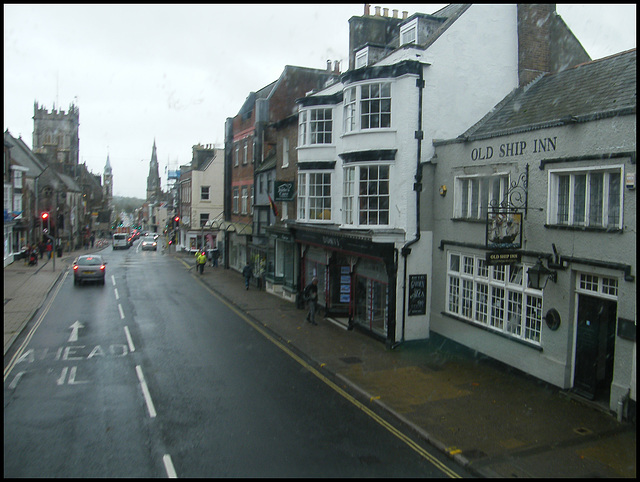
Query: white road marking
(113,280)
(129,339)
(15,381)
(115,290)
(74,331)
(168,466)
(145,392)
(121,312)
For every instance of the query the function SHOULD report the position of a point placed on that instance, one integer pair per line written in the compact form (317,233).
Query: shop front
(356,279)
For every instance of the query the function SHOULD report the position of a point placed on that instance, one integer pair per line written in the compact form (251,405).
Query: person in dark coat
(247,272)
(311,296)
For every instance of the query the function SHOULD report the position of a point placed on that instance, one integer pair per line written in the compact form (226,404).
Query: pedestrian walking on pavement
(215,254)
(311,296)
(202,260)
(247,272)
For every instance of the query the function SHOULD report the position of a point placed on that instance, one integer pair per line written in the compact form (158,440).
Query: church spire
(153,180)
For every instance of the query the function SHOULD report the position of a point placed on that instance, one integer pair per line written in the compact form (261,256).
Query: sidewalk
(494,421)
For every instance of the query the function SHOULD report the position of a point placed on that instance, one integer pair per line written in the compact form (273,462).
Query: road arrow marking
(74,331)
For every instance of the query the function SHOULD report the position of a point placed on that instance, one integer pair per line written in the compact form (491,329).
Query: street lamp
(539,276)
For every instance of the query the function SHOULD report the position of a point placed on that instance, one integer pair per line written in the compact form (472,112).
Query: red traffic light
(176,219)
(45,216)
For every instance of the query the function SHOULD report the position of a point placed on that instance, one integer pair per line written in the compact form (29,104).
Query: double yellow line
(417,448)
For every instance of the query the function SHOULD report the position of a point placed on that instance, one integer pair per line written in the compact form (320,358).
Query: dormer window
(362,58)
(409,33)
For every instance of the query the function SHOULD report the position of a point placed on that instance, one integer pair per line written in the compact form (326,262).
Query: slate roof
(597,89)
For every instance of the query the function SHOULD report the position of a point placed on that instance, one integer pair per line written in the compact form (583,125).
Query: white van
(120,241)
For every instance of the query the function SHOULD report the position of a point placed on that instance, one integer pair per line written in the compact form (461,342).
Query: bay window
(315,126)
(372,200)
(367,106)
(314,196)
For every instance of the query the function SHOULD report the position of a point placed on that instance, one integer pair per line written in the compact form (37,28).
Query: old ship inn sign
(504,223)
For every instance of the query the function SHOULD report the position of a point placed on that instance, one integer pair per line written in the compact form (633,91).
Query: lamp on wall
(539,275)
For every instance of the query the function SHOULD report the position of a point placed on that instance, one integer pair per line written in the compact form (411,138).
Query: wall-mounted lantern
(539,275)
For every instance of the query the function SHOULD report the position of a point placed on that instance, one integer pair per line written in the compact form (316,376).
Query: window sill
(492,331)
(469,220)
(592,229)
(376,130)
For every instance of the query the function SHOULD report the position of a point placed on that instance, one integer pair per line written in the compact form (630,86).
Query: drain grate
(582,431)
(351,360)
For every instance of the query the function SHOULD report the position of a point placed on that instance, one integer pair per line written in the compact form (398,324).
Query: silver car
(89,267)
(149,242)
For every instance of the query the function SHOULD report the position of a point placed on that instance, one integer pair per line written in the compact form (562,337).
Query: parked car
(149,242)
(89,267)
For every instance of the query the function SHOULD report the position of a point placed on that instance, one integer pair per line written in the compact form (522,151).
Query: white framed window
(367,106)
(348,195)
(375,105)
(8,197)
(320,126)
(204,217)
(244,200)
(350,109)
(302,128)
(245,148)
(285,152)
(496,297)
(588,197)
(236,200)
(314,196)
(17,179)
(601,286)
(362,58)
(316,126)
(371,203)
(474,194)
(236,155)
(408,33)
(204,193)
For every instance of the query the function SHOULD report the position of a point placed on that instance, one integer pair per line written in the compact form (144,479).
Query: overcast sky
(174,73)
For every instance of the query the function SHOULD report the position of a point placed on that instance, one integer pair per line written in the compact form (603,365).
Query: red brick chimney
(535,23)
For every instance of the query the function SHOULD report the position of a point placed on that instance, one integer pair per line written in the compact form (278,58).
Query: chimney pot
(395,13)
(367,9)
(377,11)
(336,66)
(404,14)
(385,12)
(328,65)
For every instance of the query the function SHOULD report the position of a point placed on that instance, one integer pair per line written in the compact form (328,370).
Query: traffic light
(45,216)
(177,220)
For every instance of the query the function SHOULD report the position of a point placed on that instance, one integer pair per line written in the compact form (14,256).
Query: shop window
(493,296)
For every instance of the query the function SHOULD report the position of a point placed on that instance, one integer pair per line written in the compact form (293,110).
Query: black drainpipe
(417,187)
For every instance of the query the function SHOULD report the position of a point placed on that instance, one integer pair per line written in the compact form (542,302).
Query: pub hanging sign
(504,229)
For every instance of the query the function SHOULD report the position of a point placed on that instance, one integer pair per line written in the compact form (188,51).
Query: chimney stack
(395,13)
(385,12)
(336,66)
(367,9)
(405,14)
(328,65)
(377,11)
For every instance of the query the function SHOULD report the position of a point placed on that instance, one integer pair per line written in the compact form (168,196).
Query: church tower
(55,135)
(153,179)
